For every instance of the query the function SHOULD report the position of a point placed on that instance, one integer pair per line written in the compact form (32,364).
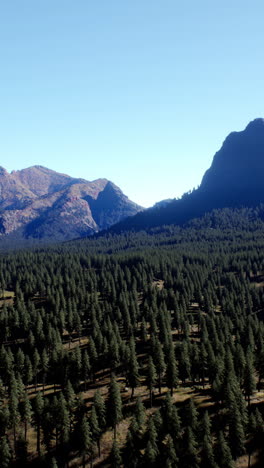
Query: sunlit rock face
(43,204)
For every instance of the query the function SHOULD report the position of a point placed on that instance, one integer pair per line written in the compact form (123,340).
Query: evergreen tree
(184,363)
(85,440)
(38,412)
(223,453)
(114,404)
(70,398)
(86,368)
(159,362)
(28,371)
(95,429)
(249,377)
(191,453)
(170,458)
(36,366)
(191,415)
(99,405)
(236,432)
(13,407)
(171,419)
(63,420)
(171,371)
(26,413)
(150,455)
(115,456)
(132,374)
(208,459)
(5,453)
(131,450)
(151,378)
(140,413)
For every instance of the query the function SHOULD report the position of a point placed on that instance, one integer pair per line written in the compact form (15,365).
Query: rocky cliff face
(40,203)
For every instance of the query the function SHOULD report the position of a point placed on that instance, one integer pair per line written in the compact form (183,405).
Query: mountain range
(41,204)
(38,203)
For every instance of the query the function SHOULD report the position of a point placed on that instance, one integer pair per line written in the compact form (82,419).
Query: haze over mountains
(40,203)
(235,179)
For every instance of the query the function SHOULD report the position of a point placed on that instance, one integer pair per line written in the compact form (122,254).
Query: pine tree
(26,413)
(86,368)
(36,366)
(150,455)
(28,371)
(184,363)
(71,401)
(171,419)
(131,450)
(160,362)
(151,378)
(170,458)
(144,330)
(208,460)
(5,453)
(191,416)
(152,438)
(93,356)
(95,429)
(44,367)
(63,420)
(249,378)
(38,411)
(171,371)
(85,439)
(114,404)
(99,405)
(115,456)
(13,407)
(236,432)
(114,354)
(4,419)
(191,454)
(48,423)
(223,453)
(206,426)
(132,374)
(140,413)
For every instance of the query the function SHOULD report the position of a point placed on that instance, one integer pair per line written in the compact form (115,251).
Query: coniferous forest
(136,350)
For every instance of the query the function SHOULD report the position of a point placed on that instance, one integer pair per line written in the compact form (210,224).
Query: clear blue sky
(140,92)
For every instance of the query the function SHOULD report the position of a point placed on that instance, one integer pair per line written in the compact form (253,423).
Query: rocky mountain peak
(256,125)
(239,164)
(38,202)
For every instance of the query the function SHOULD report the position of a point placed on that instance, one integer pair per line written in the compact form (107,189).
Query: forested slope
(136,350)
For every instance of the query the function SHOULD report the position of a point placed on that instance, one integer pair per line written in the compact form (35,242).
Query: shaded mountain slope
(235,178)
